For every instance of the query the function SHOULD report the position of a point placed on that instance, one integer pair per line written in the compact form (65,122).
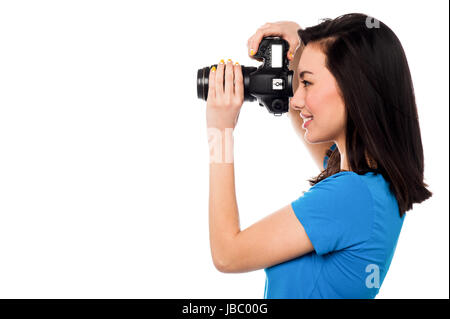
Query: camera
(270,84)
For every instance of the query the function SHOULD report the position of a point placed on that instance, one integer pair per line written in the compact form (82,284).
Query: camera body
(270,84)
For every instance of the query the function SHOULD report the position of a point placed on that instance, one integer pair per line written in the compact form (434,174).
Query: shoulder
(344,191)
(344,180)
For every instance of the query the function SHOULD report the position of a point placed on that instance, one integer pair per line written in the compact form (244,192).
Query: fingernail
(236,63)
(291,55)
(252,52)
(222,61)
(213,69)
(229,61)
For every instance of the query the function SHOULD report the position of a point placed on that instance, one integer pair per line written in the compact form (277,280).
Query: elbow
(225,256)
(222,265)
(224,261)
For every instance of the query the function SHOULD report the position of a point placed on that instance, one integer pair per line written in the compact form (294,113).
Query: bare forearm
(223,209)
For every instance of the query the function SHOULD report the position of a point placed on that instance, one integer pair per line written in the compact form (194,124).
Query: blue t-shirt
(353,223)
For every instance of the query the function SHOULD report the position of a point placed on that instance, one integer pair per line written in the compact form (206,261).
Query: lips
(305,116)
(307,121)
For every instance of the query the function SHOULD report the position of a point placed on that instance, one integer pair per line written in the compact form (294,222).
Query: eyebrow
(303,73)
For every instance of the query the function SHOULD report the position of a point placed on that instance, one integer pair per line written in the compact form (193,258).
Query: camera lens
(203,81)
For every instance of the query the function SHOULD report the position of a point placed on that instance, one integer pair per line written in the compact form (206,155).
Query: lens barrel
(203,82)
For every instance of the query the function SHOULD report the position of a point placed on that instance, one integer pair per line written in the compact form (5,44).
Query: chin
(314,140)
(308,138)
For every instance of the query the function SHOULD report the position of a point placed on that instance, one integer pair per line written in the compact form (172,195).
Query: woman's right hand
(284,29)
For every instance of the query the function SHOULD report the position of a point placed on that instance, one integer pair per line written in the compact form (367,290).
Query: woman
(355,109)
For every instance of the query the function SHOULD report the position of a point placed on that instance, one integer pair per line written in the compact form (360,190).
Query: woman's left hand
(224,99)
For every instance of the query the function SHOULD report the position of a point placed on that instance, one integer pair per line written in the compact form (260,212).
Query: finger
(251,51)
(212,83)
(219,79)
(229,78)
(255,40)
(251,40)
(239,81)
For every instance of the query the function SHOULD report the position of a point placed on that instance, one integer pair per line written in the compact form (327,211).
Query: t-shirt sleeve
(336,213)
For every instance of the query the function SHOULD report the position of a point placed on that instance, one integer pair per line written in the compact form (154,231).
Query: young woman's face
(317,95)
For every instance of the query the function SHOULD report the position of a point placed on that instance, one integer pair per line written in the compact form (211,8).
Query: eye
(306,83)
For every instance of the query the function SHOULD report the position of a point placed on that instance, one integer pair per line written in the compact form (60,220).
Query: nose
(298,100)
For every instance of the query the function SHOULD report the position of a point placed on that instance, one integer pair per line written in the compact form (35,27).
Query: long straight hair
(382,132)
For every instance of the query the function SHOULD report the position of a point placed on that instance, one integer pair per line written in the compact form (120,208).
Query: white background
(104,156)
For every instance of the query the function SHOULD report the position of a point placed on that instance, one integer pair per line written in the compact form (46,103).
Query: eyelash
(304,83)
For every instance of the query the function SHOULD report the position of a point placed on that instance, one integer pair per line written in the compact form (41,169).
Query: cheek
(326,104)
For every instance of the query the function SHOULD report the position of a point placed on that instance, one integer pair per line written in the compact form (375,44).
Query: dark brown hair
(382,133)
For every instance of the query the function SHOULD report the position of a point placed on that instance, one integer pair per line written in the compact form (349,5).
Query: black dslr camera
(270,83)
